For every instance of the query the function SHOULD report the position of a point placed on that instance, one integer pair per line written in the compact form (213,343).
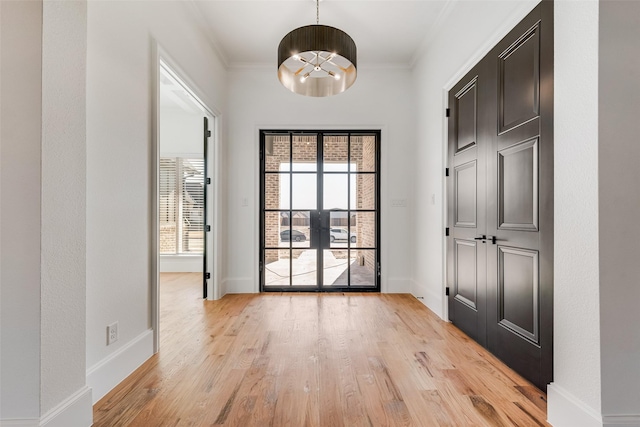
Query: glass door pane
(335,268)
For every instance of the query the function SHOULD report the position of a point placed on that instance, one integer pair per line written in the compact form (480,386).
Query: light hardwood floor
(324,360)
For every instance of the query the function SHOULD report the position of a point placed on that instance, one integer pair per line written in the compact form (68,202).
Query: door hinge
(446,171)
(379,269)
(207,275)
(208,180)
(447,112)
(446,231)
(446,291)
(208,133)
(261,267)
(207,228)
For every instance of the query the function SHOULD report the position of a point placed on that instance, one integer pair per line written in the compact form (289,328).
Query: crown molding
(194,9)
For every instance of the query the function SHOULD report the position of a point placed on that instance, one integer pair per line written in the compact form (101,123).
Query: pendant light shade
(317,60)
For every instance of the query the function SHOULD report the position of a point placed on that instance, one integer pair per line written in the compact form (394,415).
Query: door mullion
(290,210)
(319,204)
(349,172)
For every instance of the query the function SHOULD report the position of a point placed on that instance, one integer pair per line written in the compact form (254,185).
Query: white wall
(120,93)
(43,211)
(63,235)
(180,133)
(576,384)
(21,107)
(466,35)
(619,190)
(380,99)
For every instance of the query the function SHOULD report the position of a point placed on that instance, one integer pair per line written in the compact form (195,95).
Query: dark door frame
(320,217)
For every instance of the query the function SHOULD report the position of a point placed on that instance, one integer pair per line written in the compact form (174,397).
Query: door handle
(480,238)
(494,239)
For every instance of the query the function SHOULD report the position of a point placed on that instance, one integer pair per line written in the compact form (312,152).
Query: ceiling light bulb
(334,75)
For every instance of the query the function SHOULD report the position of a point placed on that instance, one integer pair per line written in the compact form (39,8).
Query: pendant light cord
(317,12)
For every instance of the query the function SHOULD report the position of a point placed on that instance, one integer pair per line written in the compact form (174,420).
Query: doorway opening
(319,222)
(185,196)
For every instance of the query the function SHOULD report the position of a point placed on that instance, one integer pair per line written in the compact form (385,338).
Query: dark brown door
(467,250)
(518,198)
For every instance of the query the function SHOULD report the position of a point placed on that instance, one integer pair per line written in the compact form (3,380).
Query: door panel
(521,302)
(519,80)
(468,142)
(518,187)
(465,190)
(466,276)
(514,200)
(518,298)
(466,117)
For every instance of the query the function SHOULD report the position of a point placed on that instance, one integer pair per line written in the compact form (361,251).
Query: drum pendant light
(317,60)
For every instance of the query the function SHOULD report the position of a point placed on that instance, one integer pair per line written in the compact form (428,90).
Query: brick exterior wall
(168,238)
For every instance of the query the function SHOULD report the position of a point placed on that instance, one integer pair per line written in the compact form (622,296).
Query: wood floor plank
(316,360)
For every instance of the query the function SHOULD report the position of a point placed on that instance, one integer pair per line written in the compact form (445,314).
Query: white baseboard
(180,264)
(76,410)
(239,286)
(110,371)
(566,410)
(248,285)
(621,420)
(430,298)
(397,285)
(24,422)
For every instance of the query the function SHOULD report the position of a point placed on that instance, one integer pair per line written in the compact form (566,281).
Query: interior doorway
(319,217)
(185,199)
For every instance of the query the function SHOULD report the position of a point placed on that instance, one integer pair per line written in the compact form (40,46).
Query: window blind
(181,205)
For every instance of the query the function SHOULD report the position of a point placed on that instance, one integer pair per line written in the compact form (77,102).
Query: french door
(319,221)
(500,186)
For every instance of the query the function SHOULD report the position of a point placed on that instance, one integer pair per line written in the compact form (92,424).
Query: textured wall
(20,114)
(63,313)
(576,320)
(619,183)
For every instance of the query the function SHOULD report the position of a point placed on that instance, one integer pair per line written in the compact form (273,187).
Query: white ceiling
(386,32)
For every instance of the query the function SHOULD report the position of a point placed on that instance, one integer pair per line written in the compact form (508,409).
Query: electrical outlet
(112,333)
